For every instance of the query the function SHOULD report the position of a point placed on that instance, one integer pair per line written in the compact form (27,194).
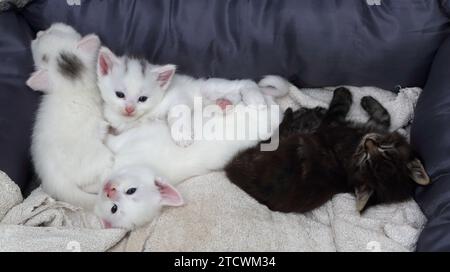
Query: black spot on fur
(70,66)
(45,58)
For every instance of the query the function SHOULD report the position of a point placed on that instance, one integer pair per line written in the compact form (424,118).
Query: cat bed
(358,43)
(216,209)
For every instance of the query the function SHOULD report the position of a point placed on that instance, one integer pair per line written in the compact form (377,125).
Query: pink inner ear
(104,63)
(39,81)
(170,196)
(165,77)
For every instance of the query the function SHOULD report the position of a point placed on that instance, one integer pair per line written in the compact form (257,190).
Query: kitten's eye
(120,94)
(143,99)
(114,209)
(131,191)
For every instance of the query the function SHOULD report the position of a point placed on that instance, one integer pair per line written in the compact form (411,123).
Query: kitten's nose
(129,109)
(370,145)
(110,190)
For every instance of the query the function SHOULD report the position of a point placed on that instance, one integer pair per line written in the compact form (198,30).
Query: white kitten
(130,88)
(135,91)
(132,197)
(151,144)
(67,145)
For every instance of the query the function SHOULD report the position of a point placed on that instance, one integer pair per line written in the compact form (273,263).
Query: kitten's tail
(275,86)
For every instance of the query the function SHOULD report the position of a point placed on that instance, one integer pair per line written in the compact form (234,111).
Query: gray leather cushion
(431,137)
(321,42)
(17,102)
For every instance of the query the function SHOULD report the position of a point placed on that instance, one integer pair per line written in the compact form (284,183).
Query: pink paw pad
(223,103)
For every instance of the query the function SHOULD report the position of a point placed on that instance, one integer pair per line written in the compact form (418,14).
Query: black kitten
(330,157)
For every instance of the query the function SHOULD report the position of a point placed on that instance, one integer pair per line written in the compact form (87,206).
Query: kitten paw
(224,104)
(369,103)
(253,97)
(343,94)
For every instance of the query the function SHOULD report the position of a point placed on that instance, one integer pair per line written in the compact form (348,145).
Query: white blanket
(218,217)
(399,105)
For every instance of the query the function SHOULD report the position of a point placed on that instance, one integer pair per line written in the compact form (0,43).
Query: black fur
(321,154)
(302,121)
(70,66)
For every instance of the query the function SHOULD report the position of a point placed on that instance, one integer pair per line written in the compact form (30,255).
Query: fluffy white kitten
(133,196)
(151,144)
(67,144)
(135,91)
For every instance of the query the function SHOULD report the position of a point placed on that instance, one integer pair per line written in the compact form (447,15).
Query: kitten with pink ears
(133,197)
(130,88)
(67,143)
(135,91)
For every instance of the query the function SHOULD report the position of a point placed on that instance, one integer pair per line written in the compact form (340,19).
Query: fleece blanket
(218,216)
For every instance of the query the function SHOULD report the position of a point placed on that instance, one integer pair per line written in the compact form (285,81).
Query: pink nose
(109,190)
(129,109)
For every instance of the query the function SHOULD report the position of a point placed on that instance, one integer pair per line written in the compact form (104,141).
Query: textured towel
(399,105)
(218,215)
(10,195)
(221,217)
(42,224)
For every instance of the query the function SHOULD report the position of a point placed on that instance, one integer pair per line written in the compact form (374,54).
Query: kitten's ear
(89,44)
(165,74)
(105,62)
(169,195)
(363,195)
(418,173)
(39,81)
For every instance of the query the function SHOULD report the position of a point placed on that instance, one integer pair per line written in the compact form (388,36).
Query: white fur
(145,138)
(67,144)
(274,86)
(142,206)
(151,144)
(176,90)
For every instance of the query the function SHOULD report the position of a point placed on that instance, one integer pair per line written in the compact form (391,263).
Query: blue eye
(131,191)
(120,94)
(143,99)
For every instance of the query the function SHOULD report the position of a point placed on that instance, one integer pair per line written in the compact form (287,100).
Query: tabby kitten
(330,157)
